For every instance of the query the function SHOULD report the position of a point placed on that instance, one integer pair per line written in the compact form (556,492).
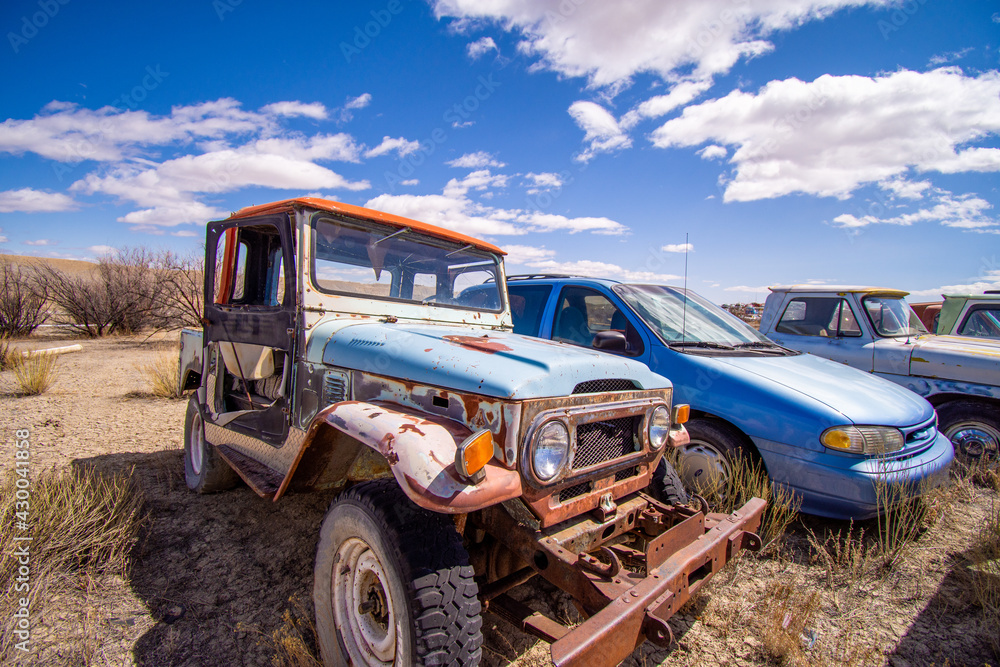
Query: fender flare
(420,450)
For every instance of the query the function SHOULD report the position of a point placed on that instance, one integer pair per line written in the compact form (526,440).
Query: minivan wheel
(706,463)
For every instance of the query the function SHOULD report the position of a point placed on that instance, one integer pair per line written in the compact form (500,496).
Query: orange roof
(349,210)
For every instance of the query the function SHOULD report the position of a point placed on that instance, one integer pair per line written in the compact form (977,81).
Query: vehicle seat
(256,362)
(572,327)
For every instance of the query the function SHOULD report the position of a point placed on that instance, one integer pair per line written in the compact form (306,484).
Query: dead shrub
(905,512)
(123,296)
(82,525)
(33,373)
(292,641)
(22,309)
(844,555)
(183,300)
(162,375)
(7,353)
(984,570)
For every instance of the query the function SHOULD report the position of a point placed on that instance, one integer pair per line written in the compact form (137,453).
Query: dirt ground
(215,576)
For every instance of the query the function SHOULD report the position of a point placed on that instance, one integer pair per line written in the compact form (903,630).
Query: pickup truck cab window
(365,259)
(819,316)
(981,322)
(892,318)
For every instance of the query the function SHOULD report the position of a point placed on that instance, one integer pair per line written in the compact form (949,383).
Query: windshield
(380,262)
(892,317)
(663,309)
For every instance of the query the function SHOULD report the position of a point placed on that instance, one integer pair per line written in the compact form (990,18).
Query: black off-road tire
(432,599)
(204,470)
(973,428)
(666,485)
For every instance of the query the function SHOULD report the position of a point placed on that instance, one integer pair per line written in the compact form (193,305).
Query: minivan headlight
(550,451)
(871,440)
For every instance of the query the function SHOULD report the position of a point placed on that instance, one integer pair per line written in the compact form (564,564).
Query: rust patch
(412,428)
(479,344)
(385,444)
(374,415)
(429,349)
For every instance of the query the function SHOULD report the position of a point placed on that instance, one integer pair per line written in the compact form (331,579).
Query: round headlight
(551,450)
(659,427)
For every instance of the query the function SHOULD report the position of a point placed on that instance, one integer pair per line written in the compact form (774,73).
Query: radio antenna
(684,311)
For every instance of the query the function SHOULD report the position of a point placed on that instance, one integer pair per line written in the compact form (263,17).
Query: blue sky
(832,141)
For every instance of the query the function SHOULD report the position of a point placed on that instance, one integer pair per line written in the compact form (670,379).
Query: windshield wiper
(701,343)
(761,346)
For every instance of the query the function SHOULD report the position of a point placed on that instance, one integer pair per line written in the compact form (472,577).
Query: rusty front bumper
(629,574)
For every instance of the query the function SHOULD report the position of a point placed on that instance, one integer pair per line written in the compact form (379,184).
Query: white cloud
(541,260)
(40,242)
(610,42)
(962,211)
(990,280)
(314,110)
(544,181)
(680,94)
(476,160)
(359,102)
(601,128)
(411,181)
(480,47)
(757,291)
(101,249)
(28,200)
(832,135)
(400,145)
(712,152)
(901,187)
(678,247)
(454,209)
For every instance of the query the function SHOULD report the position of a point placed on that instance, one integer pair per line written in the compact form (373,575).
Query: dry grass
(83,527)
(984,571)
(749,480)
(292,640)
(35,373)
(162,375)
(783,618)
(7,353)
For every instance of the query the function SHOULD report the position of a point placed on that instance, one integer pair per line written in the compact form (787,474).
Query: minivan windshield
(681,318)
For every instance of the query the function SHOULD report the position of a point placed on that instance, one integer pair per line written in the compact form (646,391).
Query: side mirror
(609,341)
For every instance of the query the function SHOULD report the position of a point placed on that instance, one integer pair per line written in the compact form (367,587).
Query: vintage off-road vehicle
(342,349)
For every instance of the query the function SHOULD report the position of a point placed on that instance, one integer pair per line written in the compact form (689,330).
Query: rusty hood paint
(490,363)
(956,358)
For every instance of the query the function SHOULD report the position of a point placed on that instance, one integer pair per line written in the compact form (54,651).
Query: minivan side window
(527,303)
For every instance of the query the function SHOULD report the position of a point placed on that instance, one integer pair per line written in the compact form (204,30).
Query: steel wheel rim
(974,439)
(359,578)
(704,467)
(197,445)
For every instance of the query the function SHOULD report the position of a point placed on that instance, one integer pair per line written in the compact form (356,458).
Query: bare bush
(22,309)
(183,300)
(125,295)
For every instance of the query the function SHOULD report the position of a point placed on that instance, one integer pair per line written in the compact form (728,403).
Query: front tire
(974,430)
(707,462)
(204,469)
(666,484)
(393,584)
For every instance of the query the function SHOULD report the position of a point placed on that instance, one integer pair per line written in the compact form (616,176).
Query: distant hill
(67,266)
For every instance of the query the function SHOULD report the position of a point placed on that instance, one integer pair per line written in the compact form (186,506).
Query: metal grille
(627,473)
(334,389)
(598,442)
(604,386)
(574,491)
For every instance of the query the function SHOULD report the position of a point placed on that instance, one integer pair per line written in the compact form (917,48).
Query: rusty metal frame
(676,549)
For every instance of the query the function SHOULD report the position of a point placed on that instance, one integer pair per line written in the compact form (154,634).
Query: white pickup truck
(875,330)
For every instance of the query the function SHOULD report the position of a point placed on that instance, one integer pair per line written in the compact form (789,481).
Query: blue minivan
(823,430)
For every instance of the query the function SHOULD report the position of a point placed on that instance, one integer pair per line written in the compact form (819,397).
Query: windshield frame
(390,237)
(698,309)
(914,326)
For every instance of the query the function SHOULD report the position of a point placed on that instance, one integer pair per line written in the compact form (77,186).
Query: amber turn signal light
(681,413)
(473,455)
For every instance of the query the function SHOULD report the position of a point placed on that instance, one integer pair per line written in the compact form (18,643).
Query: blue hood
(860,397)
(490,363)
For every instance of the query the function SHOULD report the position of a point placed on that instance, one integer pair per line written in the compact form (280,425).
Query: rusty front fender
(420,450)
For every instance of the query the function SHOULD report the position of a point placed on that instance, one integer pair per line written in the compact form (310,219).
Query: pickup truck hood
(956,358)
(860,397)
(490,363)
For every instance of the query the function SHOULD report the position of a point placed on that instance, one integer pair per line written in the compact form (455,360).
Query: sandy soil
(214,575)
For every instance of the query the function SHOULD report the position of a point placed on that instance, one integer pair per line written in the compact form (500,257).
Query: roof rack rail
(530,276)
